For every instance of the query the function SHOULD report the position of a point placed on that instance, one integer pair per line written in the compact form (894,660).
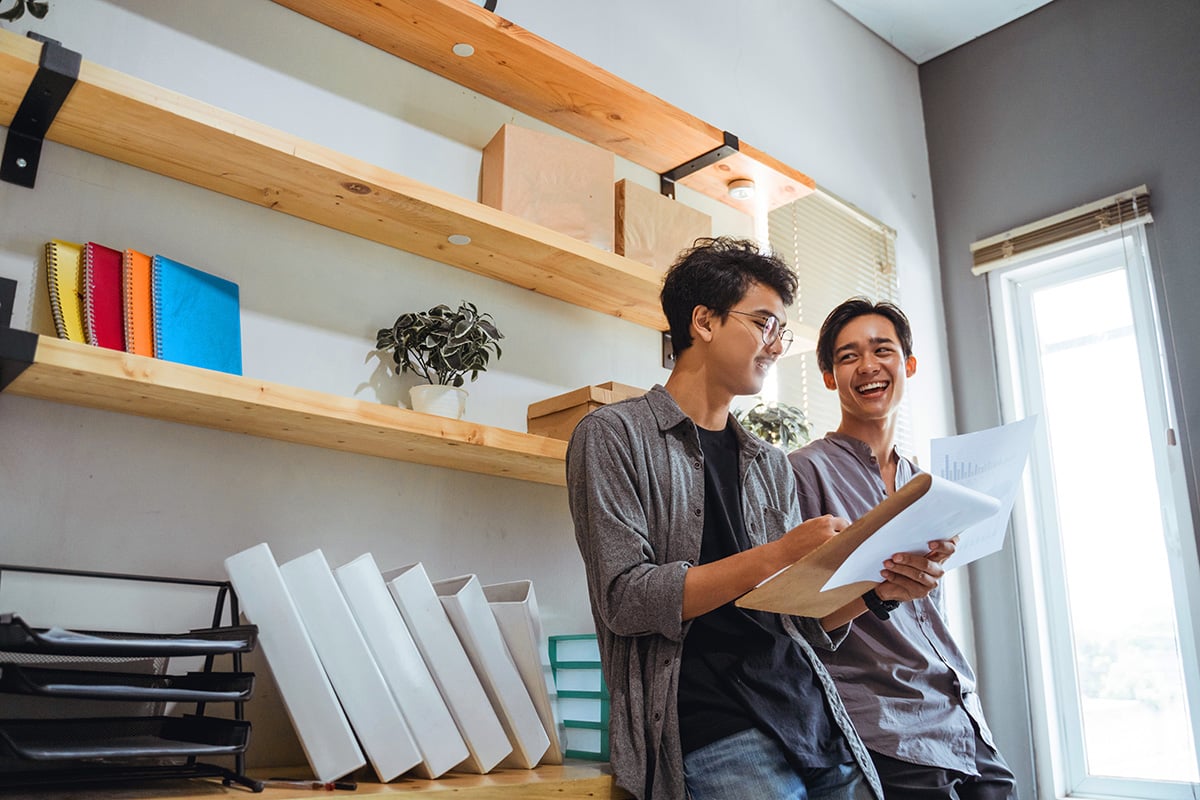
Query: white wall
(88,489)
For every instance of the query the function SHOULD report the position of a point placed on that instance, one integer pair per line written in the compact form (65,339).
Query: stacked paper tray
(583,698)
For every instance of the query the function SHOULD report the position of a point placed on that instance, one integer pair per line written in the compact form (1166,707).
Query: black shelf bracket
(666,180)
(17,347)
(58,68)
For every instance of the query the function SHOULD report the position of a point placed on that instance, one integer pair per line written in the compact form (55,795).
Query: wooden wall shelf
(572,780)
(83,375)
(134,122)
(533,76)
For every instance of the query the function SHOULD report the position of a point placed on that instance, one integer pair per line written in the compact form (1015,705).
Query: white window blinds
(839,253)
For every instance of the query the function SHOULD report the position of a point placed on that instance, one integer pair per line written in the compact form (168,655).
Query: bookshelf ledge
(83,375)
(125,119)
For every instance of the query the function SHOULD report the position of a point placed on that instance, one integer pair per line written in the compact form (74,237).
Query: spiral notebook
(139,309)
(103,310)
(197,317)
(64,277)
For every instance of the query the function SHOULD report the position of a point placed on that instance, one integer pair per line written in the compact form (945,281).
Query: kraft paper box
(652,228)
(557,417)
(559,183)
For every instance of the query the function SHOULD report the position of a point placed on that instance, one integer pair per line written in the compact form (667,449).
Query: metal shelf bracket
(58,68)
(666,181)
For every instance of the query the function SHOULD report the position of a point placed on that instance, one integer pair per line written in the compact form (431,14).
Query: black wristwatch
(878,606)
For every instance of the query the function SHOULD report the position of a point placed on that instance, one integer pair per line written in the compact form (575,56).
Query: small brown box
(652,228)
(558,416)
(559,183)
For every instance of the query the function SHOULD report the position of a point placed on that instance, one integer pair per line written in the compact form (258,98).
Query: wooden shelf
(528,73)
(134,122)
(573,780)
(79,374)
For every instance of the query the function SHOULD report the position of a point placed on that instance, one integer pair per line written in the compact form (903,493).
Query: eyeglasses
(772,330)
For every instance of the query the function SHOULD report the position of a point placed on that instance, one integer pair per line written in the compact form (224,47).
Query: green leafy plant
(442,345)
(38,8)
(780,424)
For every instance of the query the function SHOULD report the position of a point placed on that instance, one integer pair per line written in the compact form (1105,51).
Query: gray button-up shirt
(909,689)
(635,478)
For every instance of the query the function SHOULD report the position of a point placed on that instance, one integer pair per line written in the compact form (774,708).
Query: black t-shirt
(740,669)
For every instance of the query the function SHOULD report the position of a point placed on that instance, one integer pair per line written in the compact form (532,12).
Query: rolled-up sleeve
(636,589)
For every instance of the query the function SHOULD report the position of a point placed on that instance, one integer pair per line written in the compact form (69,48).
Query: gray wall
(1076,101)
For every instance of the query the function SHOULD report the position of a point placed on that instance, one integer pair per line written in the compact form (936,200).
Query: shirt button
(696,512)
(696,464)
(666,662)
(657,715)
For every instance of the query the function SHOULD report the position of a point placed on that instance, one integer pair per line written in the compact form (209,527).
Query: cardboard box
(652,228)
(558,416)
(559,183)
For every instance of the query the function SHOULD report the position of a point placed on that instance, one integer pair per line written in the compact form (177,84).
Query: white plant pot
(445,401)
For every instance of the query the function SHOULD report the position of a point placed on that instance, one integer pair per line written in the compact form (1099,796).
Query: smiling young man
(678,511)
(907,686)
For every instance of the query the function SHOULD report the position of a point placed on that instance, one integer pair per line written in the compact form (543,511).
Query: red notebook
(103,306)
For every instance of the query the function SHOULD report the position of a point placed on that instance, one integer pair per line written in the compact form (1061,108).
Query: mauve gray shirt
(635,481)
(907,686)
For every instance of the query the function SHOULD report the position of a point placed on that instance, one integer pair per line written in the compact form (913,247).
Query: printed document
(976,477)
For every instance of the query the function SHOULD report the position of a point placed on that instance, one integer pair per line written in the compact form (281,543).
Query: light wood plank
(544,783)
(128,120)
(528,73)
(83,375)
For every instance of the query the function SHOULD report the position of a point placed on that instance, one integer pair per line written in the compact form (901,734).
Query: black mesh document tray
(53,676)
(18,637)
(194,687)
(123,737)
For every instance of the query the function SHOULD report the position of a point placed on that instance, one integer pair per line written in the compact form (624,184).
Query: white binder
(403,668)
(514,605)
(468,609)
(351,668)
(485,738)
(307,694)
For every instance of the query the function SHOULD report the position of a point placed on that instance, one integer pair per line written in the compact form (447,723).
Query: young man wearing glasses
(921,718)
(678,511)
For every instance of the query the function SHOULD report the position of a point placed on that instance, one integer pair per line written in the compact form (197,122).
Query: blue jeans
(751,766)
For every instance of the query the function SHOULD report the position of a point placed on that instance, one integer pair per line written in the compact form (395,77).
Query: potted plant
(442,346)
(780,424)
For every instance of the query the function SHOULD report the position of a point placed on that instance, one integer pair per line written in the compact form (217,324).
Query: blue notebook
(197,317)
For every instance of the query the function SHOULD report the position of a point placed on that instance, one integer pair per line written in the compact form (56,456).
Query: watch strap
(878,606)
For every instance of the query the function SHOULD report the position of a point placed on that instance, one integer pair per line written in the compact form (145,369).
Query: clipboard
(796,589)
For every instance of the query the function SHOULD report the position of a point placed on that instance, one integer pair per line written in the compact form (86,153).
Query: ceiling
(924,29)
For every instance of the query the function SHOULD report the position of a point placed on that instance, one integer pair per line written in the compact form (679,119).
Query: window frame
(1056,718)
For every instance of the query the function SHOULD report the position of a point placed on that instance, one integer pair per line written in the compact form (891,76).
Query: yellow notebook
(64,276)
(139,310)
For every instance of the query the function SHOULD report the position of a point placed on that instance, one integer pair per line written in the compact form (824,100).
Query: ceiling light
(458,238)
(463,49)
(741,188)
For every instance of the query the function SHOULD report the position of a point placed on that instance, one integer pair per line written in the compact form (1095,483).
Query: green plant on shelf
(783,425)
(443,346)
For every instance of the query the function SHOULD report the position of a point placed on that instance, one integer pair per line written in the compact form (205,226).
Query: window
(1104,535)
(838,253)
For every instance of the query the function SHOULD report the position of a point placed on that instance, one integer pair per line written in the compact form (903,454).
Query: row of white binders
(425,676)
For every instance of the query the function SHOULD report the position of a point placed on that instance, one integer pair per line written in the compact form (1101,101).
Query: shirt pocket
(768,525)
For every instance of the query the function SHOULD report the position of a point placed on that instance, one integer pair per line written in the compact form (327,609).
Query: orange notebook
(139,309)
(103,311)
(64,278)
